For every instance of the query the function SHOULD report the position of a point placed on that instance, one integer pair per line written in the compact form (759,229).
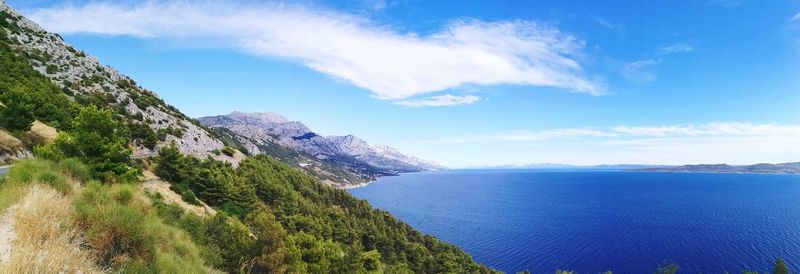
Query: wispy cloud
(603,22)
(725,142)
(439,101)
(641,72)
(795,18)
(720,129)
(393,65)
(677,48)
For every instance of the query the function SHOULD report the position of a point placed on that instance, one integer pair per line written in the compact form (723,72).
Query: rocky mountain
(84,79)
(332,158)
(784,168)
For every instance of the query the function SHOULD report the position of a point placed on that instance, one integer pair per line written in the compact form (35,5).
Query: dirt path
(6,234)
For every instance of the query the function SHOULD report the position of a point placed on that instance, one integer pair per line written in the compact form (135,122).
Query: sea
(596,221)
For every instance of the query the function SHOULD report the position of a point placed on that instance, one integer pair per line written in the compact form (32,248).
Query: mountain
(85,80)
(784,168)
(338,160)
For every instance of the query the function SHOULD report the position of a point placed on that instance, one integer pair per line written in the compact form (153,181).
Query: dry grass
(9,144)
(42,243)
(153,184)
(41,133)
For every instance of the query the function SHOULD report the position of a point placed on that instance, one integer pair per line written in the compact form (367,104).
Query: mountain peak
(270,117)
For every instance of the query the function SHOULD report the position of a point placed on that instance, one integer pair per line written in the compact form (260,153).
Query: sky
(473,83)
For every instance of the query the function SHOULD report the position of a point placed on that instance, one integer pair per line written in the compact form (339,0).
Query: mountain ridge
(271,133)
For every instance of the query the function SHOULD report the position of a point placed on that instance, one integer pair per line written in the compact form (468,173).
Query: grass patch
(39,171)
(42,243)
(123,232)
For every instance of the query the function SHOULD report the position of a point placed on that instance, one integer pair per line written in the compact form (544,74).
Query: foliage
(302,225)
(94,139)
(228,151)
(29,96)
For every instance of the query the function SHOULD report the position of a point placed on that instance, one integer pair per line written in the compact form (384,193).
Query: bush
(189,197)
(228,151)
(75,169)
(94,139)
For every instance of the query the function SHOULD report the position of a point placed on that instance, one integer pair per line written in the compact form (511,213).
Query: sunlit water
(627,222)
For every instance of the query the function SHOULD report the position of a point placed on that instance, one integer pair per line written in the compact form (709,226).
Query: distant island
(784,168)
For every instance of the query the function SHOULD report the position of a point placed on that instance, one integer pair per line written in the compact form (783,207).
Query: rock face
(82,76)
(273,134)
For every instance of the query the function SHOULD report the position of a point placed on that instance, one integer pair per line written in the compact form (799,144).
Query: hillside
(343,160)
(80,205)
(784,168)
(85,80)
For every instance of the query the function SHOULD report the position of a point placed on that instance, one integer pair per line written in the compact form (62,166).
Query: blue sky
(474,83)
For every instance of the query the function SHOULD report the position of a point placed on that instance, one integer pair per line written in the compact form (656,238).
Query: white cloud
(641,71)
(729,142)
(441,100)
(677,48)
(796,17)
(393,65)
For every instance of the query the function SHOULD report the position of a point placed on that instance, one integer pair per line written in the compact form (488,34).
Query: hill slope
(85,79)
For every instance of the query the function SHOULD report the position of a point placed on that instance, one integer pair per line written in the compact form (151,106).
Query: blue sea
(594,221)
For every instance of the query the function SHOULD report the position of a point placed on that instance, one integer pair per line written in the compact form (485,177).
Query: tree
(169,161)
(780,267)
(94,139)
(16,113)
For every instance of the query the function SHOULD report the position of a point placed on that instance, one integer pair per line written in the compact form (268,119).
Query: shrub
(75,169)
(228,151)
(189,197)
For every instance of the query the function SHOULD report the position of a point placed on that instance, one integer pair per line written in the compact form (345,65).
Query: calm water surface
(588,221)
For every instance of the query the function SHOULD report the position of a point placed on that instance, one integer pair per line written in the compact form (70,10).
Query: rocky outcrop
(82,76)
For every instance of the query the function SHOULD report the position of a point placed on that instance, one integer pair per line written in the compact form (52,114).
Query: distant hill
(566,166)
(339,160)
(784,168)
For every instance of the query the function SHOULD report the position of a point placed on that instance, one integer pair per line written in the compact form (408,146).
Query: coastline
(356,185)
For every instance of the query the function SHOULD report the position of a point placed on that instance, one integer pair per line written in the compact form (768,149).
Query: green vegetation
(28,95)
(326,229)
(95,140)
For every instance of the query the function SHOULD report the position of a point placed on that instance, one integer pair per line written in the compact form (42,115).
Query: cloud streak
(722,129)
(641,72)
(391,64)
(728,142)
(439,101)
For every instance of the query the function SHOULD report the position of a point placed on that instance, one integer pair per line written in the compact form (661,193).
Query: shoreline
(356,185)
